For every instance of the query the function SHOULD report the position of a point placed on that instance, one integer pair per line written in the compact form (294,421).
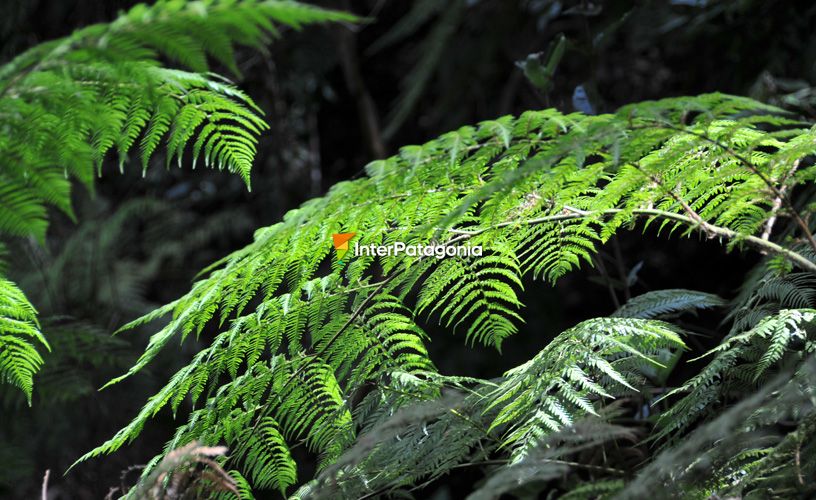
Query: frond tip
(19,337)
(598,358)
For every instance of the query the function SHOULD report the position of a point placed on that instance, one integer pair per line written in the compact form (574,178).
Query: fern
(108,91)
(739,361)
(739,452)
(550,461)
(593,360)
(663,303)
(113,71)
(324,352)
(19,337)
(524,412)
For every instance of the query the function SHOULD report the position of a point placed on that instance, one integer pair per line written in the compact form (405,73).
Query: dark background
(337,97)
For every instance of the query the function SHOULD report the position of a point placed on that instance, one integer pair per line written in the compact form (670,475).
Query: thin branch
(475,425)
(778,194)
(777,203)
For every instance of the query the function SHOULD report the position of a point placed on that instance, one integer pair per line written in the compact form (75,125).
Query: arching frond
(739,362)
(66,104)
(536,195)
(19,338)
(663,303)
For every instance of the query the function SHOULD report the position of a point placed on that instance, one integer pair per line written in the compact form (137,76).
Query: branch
(778,194)
(777,203)
(44,492)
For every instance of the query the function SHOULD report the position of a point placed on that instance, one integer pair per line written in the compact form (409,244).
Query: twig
(777,203)
(798,461)
(45,484)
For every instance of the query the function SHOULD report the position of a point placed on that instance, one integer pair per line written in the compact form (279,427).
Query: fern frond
(108,89)
(20,337)
(551,460)
(664,303)
(538,194)
(739,361)
(596,359)
(480,293)
(741,451)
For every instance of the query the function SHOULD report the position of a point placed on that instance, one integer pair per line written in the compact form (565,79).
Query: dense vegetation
(313,377)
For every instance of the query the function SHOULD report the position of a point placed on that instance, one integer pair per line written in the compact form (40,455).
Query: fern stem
(777,202)
(709,229)
(778,194)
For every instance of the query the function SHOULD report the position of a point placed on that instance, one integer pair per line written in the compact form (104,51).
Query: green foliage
(742,451)
(66,104)
(525,411)
(19,337)
(663,303)
(84,283)
(332,354)
(596,359)
(107,89)
(739,362)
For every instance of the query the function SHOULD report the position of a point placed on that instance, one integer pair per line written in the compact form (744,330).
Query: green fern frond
(424,436)
(551,460)
(107,90)
(479,293)
(265,456)
(741,452)
(538,194)
(739,361)
(19,338)
(596,359)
